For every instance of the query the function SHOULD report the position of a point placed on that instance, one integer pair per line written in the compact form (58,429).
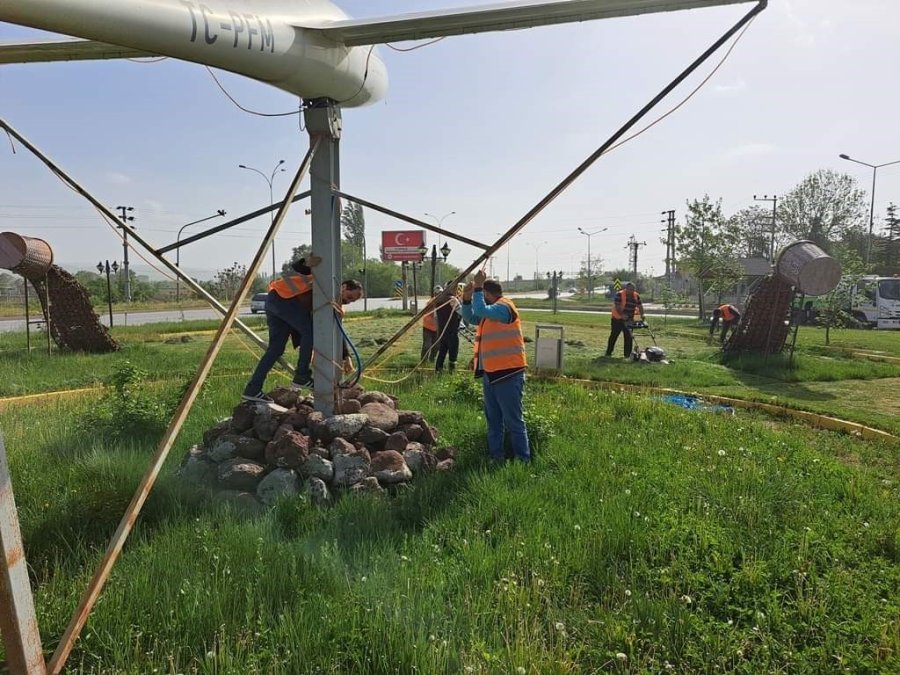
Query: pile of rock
(266,452)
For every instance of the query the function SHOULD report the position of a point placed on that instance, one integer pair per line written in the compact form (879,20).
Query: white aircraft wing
(64,50)
(495,17)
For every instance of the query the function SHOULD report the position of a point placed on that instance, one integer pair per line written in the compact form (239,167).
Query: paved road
(140,318)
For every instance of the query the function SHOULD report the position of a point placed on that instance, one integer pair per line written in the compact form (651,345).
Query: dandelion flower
(560,626)
(686,599)
(721,453)
(622,656)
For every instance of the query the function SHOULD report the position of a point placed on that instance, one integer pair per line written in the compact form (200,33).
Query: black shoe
(299,385)
(258,397)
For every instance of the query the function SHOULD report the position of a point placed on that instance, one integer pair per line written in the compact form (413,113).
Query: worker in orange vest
(289,314)
(730,317)
(430,329)
(500,362)
(626,307)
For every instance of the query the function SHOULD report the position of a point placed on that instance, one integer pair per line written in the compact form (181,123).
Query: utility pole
(774,200)
(123,214)
(670,244)
(634,245)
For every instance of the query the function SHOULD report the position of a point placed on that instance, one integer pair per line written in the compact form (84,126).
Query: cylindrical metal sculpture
(808,268)
(70,316)
(28,256)
(800,268)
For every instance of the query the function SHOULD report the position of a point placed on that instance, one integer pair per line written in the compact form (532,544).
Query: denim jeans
(503,412)
(283,316)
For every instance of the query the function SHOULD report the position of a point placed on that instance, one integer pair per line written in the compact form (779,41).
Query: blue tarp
(695,403)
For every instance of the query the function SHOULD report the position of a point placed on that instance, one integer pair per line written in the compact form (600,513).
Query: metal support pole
(433,266)
(871,222)
(18,622)
(109,295)
(27,317)
(323,122)
(415,295)
(405,287)
(89,598)
(47,315)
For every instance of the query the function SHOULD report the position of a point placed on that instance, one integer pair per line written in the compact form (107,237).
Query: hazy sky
(482,125)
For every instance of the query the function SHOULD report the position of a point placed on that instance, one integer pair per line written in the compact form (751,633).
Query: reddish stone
(381,416)
(289,452)
(396,441)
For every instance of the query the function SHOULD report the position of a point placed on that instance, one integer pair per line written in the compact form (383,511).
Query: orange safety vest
(429,322)
(628,301)
(727,312)
(292,285)
(500,346)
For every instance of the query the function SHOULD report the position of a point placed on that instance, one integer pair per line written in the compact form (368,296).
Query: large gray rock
(368,485)
(224,448)
(411,417)
(350,407)
(397,441)
(265,424)
(317,467)
(390,468)
(344,426)
(249,448)
(381,416)
(240,474)
(289,452)
(413,456)
(350,469)
(212,434)
(413,431)
(376,397)
(318,491)
(372,437)
(196,468)
(284,396)
(242,417)
(279,484)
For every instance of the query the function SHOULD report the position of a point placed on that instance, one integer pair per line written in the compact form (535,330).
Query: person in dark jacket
(449,315)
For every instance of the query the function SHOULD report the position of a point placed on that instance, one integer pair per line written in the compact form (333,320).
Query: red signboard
(400,245)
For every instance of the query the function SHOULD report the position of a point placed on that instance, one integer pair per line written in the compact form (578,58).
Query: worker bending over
(289,313)
(730,317)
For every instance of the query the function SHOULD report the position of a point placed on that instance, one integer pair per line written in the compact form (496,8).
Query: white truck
(877,302)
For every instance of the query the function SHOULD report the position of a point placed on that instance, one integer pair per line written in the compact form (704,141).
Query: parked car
(258,303)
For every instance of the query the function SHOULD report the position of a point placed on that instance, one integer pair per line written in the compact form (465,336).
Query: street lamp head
(843,156)
(115,266)
(221,212)
(423,250)
(445,251)
(242,166)
(100,267)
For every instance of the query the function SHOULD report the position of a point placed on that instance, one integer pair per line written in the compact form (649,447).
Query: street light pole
(123,214)
(440,223)
(874,168)
(269,180)
(537,248)
(115,268)
(220,212)
(774,200)
(590,275)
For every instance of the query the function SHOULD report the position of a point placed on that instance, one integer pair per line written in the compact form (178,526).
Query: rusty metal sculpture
(801,268)
(71,318)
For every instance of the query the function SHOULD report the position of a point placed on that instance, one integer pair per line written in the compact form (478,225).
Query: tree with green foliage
(707,244)
(753,227)
(823,208)
(887,251)
(834,309)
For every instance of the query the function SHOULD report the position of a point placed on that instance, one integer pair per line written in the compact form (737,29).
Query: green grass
(711,543)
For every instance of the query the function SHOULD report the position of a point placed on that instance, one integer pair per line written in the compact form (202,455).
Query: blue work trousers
(284,316)
(503,411)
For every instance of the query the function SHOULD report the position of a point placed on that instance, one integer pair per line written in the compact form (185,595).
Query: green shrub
(127,410)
